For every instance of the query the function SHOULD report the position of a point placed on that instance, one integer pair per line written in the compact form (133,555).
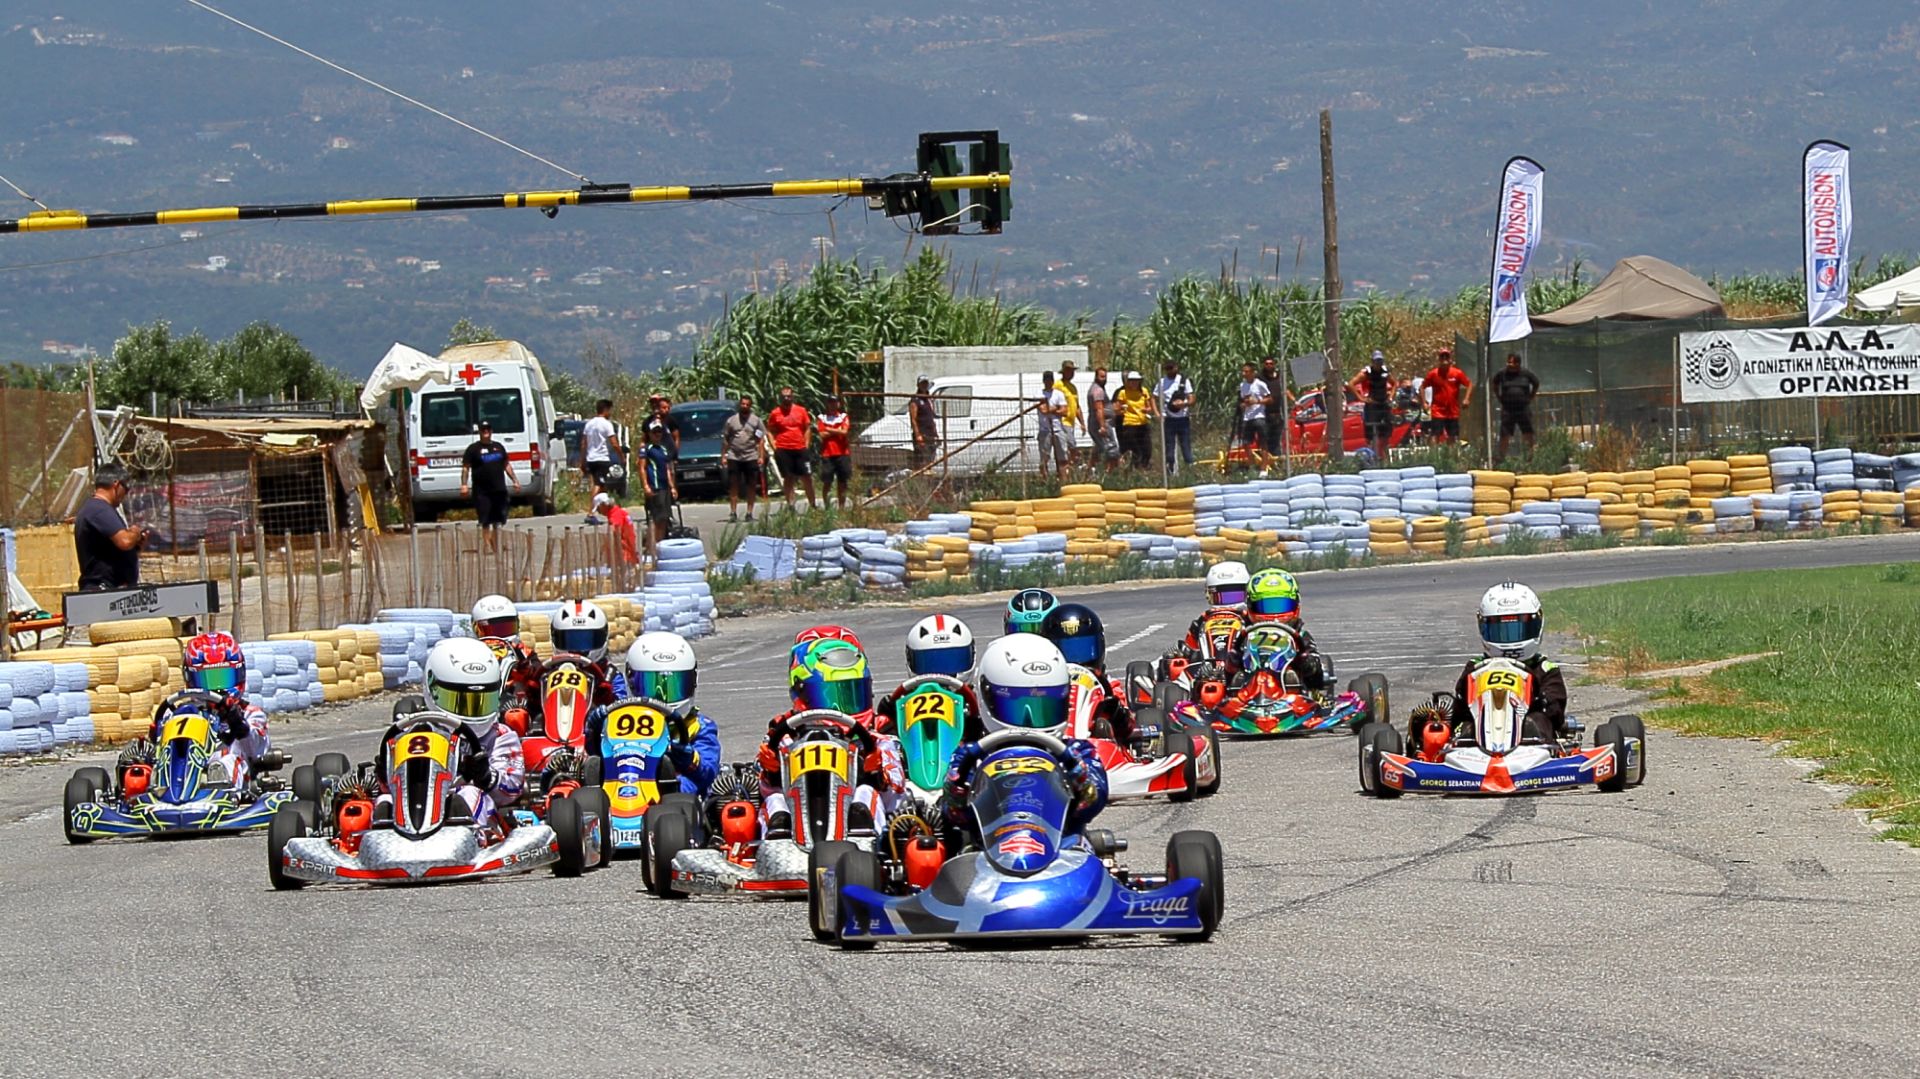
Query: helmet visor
(850,695)
(1274,606)
(1033,707)
(1510,629)
(953,659)
(579,641)
(220,679)
(497,627)
(1230,595)
(1085,650)
(468,701)
(668,686)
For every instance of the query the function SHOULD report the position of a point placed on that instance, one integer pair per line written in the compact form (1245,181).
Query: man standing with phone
(1174,392)
(108,547)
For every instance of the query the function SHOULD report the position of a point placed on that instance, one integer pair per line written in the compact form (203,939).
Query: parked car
(700,469)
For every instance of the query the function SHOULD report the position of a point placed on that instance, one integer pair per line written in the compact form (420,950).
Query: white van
(971,407)
(501,383)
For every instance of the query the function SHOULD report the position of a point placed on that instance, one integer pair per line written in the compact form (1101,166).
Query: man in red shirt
(1448,391)
(836,464)
(792,429)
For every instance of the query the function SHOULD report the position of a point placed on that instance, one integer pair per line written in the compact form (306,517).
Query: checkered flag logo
(1712,364)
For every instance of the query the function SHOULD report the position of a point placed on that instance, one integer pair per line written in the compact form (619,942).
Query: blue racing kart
(1029,879)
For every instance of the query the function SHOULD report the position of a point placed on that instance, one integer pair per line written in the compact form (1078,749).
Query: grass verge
(1841,689)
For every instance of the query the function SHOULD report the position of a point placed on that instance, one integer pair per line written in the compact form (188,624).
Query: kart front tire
(667,835)
(1631,726)
(332,765)
(855,867)
(80,788)
(1371,687)
(1382,739)
(289,822)
(594,800)
(1182,742)
(1213,739)
(1608,734)
(1139,672)
(1167,695)
(1198,854)
(307,783)
(570,829)
(821,916)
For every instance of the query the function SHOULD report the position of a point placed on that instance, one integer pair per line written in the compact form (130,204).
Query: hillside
(1149,140)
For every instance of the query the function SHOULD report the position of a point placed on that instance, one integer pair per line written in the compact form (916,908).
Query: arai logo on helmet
(1158,911)
(664,657)
(474,668)
(1038,666)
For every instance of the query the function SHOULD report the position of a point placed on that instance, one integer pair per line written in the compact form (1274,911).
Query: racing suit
(1547,711)
(1113,708)
(1086,777)
(241,727)
(493,771)
(694,748)
(879,785)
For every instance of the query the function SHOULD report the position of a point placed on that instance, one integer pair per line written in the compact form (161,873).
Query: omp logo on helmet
(1038,666)
(1507,287)
(1713,364)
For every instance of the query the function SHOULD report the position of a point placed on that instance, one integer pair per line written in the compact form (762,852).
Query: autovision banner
(1516,230)
(1827,227)
(1778,365)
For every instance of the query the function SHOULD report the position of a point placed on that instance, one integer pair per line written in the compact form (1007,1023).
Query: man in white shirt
(1174,391)
(1254,399)
(1053,425)
(598,445)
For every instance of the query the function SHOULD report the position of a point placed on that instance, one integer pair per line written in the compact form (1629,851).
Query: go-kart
(930,722)
(1172,754)
(431,837)
(1029,879)
(1501,751)
(819,769)
(632,770)
(172,785)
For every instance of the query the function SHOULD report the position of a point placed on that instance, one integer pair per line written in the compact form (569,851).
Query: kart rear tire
(1198,854)
(1213,739)
(1168,694)
(288,822)
(594,772)
(1371,687)
(306,783)
(1608,734)
(1139,672)
(570,829)
(332,765)
(1182,742)
(667,835)
(855,867)
(1631,726)
(80,788)
(594,800)
(1380,738)
(821,857)
(102,782)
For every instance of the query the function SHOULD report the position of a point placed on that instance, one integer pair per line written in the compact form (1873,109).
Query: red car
(1307,426)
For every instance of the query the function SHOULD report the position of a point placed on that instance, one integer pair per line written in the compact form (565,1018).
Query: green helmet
(1273,596)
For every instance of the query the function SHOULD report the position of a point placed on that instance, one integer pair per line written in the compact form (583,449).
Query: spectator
(925,424)
(1071,421)
(1174,394)
(1448,390)
(835,427)
(598,445)
(743,441)
(656,479)
(792,427)
(1515,387)
(1277,401)
(1254,398)
(1137,413)
(1053,436)
(485,472)
(620,525)
(1374,385)
(1102,421)
(108,547)
(662,415)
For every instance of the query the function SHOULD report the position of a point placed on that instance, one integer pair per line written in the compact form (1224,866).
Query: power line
(18,190)
(386,89)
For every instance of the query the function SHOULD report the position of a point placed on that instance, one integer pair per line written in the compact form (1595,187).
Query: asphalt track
(1725,918)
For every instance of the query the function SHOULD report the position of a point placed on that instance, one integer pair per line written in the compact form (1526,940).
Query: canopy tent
(1640,287)
(1902,291)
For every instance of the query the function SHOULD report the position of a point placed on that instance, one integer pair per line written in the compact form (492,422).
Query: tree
(149,361)
(263,360)
(468,332)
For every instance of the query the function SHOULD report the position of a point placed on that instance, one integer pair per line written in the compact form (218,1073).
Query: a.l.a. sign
(1775,365)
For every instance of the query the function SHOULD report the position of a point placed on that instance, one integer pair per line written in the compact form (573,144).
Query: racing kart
(173,785)
(431,836)
(930,722)
(1500,751)
(724,852)
(1171,755)
(1029,879)
(632,771)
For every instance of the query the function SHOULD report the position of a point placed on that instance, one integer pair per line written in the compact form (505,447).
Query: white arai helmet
(1022,682)
(1227,584)
(662,666)
(496,616)
(1511,622)
(463,678)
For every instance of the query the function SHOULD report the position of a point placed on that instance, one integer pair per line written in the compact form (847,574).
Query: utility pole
(1336,398)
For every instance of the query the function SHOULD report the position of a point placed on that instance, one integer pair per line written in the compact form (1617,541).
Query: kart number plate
(421,745)
(929,706)
(568,678)
(190,726)
(636,722)
(820,757)
(1017,766)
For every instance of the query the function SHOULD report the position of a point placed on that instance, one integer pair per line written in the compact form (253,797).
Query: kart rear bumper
(1262,719)
(452,853)
(147,816)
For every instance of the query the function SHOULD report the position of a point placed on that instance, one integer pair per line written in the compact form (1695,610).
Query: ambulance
(496,382)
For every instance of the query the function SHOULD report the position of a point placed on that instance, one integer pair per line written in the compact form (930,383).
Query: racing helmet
(806,637)
(940,644)
(1022,684)
(1227,584)
(1028,608)
(832,674)
(662,666)
(1273,596)
(463,678)
(496,616)
(212,661)
(1269,646)
(1076,631)
(1511,621)
(580,627)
